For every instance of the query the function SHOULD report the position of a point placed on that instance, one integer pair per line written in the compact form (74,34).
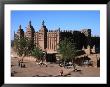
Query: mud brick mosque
(48,40)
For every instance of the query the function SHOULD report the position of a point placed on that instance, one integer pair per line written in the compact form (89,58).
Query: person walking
(98,62)
(19,63)
(61,72)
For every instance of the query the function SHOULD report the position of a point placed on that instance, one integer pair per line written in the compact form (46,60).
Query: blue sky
(66,20)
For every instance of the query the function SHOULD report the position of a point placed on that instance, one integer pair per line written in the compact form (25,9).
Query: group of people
(21,63)
(42,61)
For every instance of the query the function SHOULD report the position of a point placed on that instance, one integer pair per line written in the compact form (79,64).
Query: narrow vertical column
(37,39)
(57,40)
(53,41)
(47,40)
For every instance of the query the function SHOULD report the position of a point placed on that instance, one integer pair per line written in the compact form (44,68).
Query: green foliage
(37,53)
(67,49)
(20,45)
(23,46)
(29,47)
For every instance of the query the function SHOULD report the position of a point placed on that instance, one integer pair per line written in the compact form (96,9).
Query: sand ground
(52,70)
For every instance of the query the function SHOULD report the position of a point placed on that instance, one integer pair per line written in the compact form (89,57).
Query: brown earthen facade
(48,40)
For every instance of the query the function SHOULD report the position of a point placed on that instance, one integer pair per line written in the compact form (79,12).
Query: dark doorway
(51,58)
(98,63)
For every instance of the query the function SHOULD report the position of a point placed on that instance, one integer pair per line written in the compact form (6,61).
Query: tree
(37,53)
(29,47)
(21,45)
(68,50)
